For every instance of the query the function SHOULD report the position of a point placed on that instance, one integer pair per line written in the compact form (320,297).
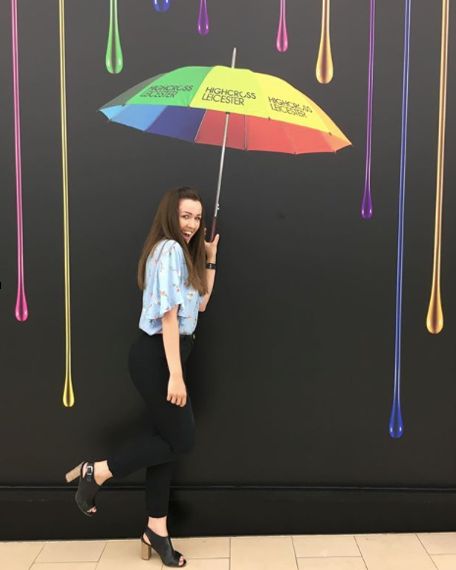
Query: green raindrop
(114,57)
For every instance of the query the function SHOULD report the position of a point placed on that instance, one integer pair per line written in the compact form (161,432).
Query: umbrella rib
(245,132)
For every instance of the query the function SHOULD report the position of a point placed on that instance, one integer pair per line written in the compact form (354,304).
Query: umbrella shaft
(222,159)
(219,183)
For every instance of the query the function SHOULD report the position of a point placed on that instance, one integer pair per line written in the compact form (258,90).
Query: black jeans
(171,429)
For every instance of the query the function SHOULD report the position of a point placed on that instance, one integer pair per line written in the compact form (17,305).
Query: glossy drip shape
(21,308)
(396,425)
(325,68)
(161,5)
(203,19)
(434,318)
(366,204)
(282,34)
(114,56)
(68,394)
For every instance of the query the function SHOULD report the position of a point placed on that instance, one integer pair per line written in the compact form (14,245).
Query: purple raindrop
(366,206)
(203,19)
(396,425)
(161,5)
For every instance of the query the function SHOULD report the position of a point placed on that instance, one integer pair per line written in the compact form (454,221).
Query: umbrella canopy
(191,103)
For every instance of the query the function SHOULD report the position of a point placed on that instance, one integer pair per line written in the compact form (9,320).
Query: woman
(176,272)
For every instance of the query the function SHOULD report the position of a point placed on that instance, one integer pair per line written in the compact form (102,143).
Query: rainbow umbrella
(227,106)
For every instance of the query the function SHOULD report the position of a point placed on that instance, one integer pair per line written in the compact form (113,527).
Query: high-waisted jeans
(171,429)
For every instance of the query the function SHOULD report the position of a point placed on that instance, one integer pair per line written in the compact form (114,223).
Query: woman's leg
(175,424)
(158,477)
(158,482)
(170,431)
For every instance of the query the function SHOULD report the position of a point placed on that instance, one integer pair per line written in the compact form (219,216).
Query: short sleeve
(167,277)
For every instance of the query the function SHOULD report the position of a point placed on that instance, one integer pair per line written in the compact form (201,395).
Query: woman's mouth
(187,235)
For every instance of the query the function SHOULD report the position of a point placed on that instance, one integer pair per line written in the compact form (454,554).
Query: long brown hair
(166,225)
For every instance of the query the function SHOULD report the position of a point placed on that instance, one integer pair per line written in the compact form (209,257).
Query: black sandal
(87,487)
(163,547)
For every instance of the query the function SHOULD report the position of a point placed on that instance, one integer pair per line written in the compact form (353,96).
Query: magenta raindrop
(282,34)
(21,309)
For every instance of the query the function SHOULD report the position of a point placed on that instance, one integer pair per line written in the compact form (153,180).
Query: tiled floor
(422,551)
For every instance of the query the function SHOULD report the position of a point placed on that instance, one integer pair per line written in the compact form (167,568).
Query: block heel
(145,550)
(87,486)
(163,547)
(73,474)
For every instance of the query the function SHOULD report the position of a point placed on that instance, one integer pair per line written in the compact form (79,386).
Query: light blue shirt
(165,276)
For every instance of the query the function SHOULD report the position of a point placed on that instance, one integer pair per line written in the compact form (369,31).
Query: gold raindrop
(68,394)
(434,319)
(325,68)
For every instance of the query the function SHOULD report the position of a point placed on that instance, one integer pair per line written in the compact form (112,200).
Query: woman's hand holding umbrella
(211,249)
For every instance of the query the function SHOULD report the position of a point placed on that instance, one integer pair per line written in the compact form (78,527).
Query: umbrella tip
(233,57)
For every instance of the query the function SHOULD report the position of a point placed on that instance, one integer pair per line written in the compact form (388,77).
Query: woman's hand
(177,391)
(211,249)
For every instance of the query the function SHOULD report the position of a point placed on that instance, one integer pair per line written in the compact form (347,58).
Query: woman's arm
(211,256)
(210,285)
(177,392)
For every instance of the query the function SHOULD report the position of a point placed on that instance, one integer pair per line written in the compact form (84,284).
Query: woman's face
(189,217)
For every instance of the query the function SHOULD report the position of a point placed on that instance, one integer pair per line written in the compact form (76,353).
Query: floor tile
(325,545)
(438,542)
(123,554)
(203,547)
(72,551)
(444,561)
(262,553)
(207,564)
(19,555)
(347,563)
(393,552)
(65,566)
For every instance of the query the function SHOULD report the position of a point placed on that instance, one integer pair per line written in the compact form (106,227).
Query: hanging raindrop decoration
(114,57)
(68,394)
(366,205)
(434,319)
(161,5)
(396,426)
(21,309)
(325,68)
(203,19)
(282,34)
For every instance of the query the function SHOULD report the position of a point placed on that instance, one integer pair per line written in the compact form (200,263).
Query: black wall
(292,373)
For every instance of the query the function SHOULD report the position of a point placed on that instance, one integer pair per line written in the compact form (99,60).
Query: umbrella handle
(213,229)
